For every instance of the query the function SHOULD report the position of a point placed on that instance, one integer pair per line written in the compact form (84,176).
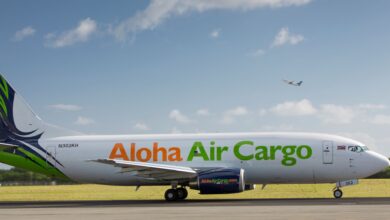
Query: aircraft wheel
(338,194)
(171,195)
(182,193)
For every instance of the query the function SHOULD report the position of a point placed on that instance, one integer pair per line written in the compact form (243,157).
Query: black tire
(182,193)
(338,194)
(171,195)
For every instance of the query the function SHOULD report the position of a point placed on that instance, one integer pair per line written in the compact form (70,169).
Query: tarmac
(347,208)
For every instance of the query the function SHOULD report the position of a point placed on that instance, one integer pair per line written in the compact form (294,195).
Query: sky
(169,66)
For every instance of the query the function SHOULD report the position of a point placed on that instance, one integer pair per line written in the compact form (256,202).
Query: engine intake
(220,181)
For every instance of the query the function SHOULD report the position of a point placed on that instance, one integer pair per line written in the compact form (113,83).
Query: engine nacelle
(220,181)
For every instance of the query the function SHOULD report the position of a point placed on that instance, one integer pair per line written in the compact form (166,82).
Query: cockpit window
(357,149)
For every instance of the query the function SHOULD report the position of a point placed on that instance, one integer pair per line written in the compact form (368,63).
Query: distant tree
(381,175)
(17,175)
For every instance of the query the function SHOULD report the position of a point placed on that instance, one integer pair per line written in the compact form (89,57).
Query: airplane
(212,163)
(294,83)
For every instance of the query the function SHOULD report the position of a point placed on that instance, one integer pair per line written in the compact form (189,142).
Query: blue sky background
(108,67)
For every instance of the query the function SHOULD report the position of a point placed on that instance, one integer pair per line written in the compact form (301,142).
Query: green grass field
(366,188)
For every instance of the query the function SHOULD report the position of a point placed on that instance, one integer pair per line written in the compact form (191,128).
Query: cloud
(175,130)
(141,127)
(230,115)
(337,114)
(215,33)
(330,113)
(179,117)
(282,127)
(299,108)
(81,33)
(258,53)
(381,120)
(84,121)
(262,112)
(203,112)
(372,106)
(65,107)
(24,33)
(364,138)
(159,11)
(285,37)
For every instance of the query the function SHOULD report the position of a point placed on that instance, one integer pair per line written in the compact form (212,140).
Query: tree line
(17,176)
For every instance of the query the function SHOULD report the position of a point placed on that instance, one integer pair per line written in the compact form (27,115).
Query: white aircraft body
(210,163)
(293,83)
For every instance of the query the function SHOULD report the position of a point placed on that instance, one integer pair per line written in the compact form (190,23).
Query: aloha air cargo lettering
(198,150)
(302,152)
(290,153)
(144,154)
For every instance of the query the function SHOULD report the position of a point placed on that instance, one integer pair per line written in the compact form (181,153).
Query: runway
(348,208)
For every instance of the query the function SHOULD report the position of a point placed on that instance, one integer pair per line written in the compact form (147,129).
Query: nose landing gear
(337,193)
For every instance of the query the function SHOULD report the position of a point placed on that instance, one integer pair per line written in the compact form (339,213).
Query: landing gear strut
(176,194)
(337,193)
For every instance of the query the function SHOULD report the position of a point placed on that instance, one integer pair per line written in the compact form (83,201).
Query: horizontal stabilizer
(4,146)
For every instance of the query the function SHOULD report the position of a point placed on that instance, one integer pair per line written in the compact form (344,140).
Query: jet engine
(220,181)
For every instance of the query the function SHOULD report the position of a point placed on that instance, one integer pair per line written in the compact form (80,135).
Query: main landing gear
(176,194)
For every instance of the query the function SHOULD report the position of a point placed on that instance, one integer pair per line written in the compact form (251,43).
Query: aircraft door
(327,152)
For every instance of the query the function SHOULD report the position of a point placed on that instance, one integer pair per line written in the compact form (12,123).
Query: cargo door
(327,152)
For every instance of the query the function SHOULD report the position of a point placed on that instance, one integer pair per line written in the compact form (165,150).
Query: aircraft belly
(274,173)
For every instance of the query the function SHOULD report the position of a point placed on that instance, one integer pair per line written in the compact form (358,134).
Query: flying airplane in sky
(293,83)
(210,163)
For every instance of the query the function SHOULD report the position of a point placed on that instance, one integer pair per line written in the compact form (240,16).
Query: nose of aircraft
(386,161)
(379,162)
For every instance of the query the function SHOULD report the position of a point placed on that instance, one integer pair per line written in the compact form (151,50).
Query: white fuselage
(265,157)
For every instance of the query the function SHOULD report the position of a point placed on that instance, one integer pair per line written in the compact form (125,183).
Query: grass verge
(366,188)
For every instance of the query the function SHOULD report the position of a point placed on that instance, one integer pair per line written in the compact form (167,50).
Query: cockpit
(358,149)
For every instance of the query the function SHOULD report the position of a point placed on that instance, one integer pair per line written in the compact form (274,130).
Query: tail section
(299,83)
(21,134)
(18,121)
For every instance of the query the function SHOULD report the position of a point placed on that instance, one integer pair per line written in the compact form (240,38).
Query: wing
(152,171)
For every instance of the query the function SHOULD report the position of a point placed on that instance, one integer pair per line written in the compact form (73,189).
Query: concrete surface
(349,208)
